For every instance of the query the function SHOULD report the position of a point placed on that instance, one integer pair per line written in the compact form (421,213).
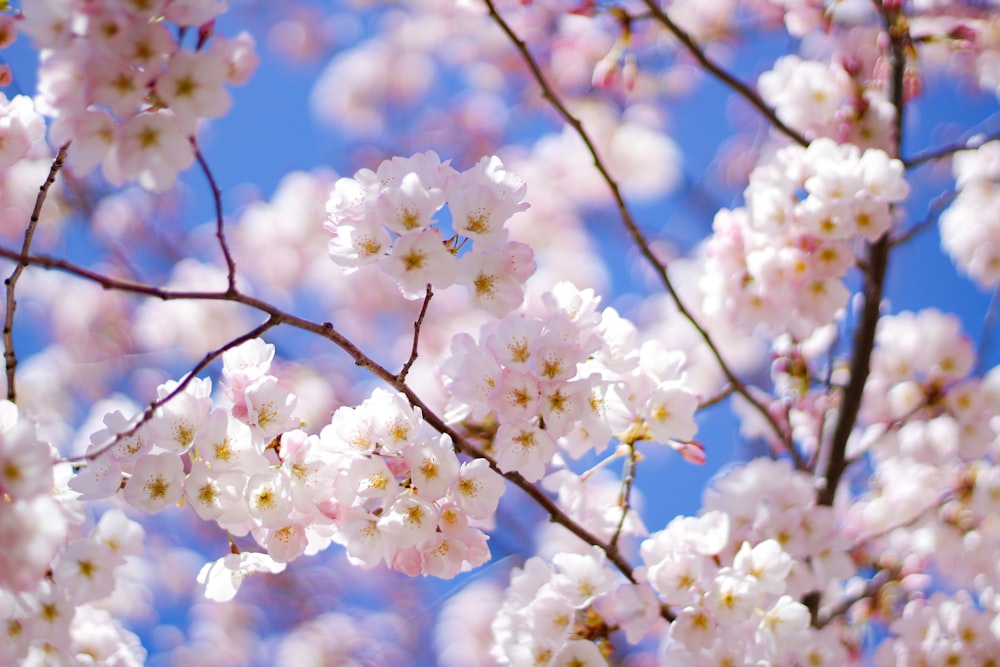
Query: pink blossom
(223,578)
(192,86)
(152,148)
(156,483)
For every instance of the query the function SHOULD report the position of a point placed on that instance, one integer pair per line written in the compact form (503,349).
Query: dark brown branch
(877,264)
(220,231)
(404,371)
(9,355)
(742,89)
(626,216)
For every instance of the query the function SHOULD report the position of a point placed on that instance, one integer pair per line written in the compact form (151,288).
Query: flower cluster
(386,217)
(552,615)
(736,572)
(574,378)
(975,247)
(942,630)
(371,480)
(780,260)
(403,497)
(121,86)
(21,128)
(823,100)
(52,569)
(933,444)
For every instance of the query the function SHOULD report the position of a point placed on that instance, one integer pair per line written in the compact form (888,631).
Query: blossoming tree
(262,439)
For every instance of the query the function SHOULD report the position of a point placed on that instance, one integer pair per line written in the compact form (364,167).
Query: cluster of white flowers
(574,378)
(735,574)
(386,217)
(942,630)
(975,247)
(733,578)
(780,260)
(52,569)
(822,99)
(372,480)
(120,86)
(932,440)
(551,615)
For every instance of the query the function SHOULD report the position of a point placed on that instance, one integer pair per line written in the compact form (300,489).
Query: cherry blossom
(527,271)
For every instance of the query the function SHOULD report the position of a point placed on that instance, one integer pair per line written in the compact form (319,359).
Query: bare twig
(401,376)
(989,330)
(9,356)
(717,398)
(626,216)
(151,409)
(940,203)
(626,494)
(967,144)
(742,89)
(220,231)
(948,495)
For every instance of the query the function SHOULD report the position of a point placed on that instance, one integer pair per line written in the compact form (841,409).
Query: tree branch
(404,371)
(220,232)
(626,216)
(871,588)
(940,203)
(742,89)
(9,356)
(626,493)
(950,149)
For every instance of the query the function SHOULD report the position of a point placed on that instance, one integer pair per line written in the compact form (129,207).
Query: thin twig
(937,206)
(9,356)
(717,398)
(989,328)
(797,460)
(912,521)
(821,427)
(950,149)
(626,216)
(742,89)
(151,409)
(220,231)
(401,376)
(626,494)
